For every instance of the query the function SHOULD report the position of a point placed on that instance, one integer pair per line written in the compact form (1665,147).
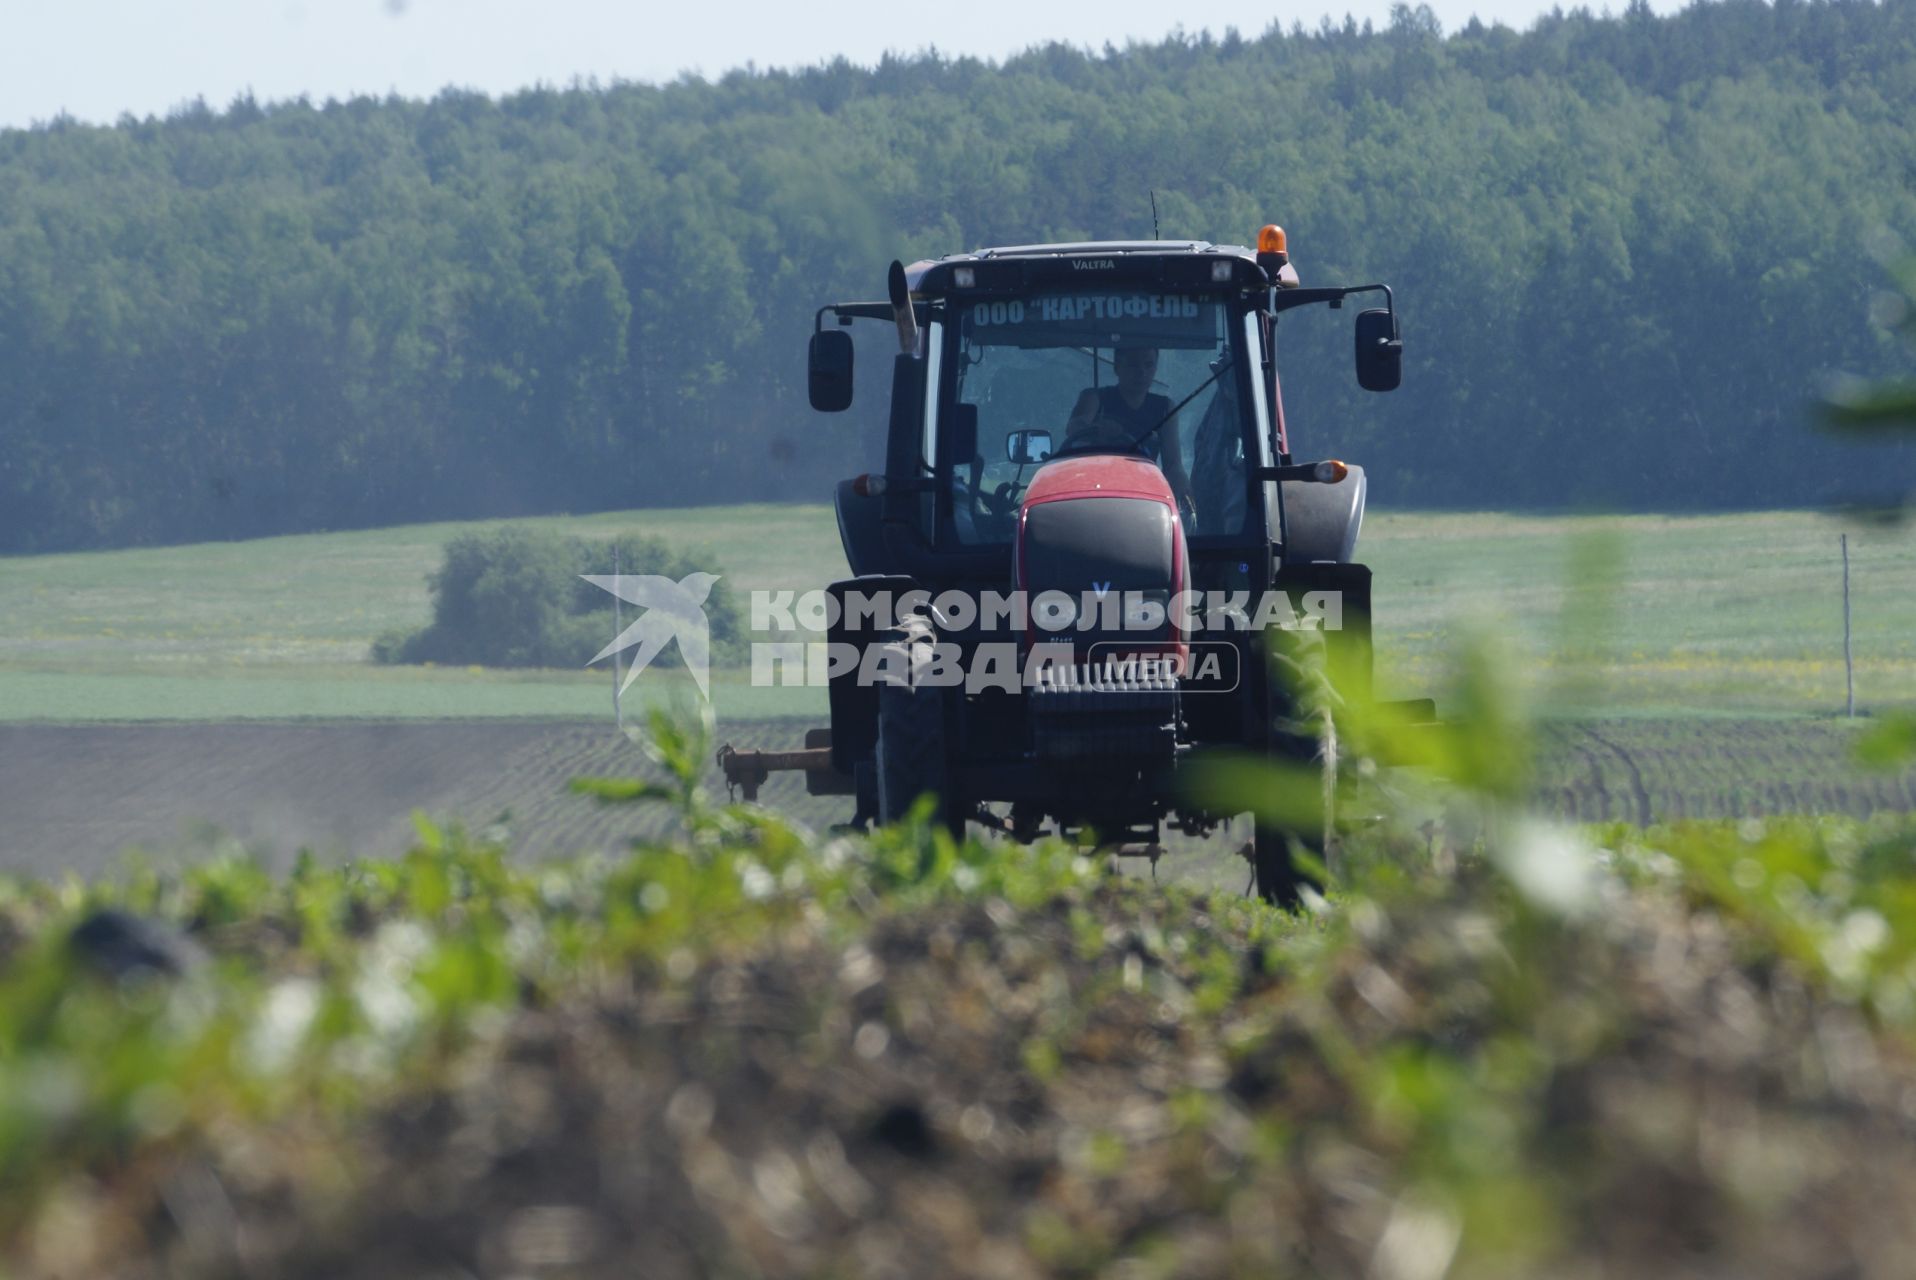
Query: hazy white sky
(95,59)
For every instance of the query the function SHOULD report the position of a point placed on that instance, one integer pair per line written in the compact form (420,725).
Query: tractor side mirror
(828,375)
(1027,447)
(1380,352)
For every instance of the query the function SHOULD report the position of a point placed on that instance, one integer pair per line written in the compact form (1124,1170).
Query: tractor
(1086,464)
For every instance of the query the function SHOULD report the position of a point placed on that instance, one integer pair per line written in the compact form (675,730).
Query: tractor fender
(861,528)
(1322,521)
(854,704)
(876,544)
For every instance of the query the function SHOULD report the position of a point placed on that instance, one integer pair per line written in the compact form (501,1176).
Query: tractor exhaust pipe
(901,308)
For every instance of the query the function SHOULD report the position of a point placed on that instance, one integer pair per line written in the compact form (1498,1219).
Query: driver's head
(1136,367)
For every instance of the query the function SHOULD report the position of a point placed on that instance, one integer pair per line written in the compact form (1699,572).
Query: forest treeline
(1627,251)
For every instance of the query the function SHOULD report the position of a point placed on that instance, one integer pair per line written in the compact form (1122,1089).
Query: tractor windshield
(1155,374)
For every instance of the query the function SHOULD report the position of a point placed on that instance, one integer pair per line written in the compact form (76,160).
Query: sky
(97,59)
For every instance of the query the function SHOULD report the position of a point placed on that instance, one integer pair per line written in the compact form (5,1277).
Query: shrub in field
(516,598)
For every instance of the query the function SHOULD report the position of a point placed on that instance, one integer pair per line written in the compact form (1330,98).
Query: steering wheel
(1100,434)
(1001,501)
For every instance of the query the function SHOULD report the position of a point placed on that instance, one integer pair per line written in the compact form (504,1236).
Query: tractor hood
(1102,529)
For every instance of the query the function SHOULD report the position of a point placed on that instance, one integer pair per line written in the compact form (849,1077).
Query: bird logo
(671,609)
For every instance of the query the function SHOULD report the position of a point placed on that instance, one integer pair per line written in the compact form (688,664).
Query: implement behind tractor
(1088,533)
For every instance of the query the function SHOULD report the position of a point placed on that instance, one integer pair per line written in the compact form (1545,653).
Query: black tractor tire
(1278,880)
(911,754)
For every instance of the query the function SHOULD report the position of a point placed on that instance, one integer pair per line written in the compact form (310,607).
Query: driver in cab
(1131,415)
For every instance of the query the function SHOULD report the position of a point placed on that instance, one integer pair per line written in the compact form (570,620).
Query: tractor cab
(1017,355)
(1086,451)
(1162,377)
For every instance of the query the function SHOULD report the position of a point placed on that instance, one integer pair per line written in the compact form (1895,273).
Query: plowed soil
(76,796)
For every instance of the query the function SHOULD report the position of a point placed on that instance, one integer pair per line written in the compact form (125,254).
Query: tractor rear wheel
(910,753)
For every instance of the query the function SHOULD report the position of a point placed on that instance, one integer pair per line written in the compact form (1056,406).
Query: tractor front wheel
(1279,881)
(911,749)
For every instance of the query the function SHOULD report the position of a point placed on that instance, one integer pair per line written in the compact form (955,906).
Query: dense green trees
(1627,250)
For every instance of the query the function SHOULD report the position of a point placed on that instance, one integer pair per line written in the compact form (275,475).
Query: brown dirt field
(73,797)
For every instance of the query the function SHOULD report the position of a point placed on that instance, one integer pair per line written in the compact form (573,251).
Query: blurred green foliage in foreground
(1494,1047)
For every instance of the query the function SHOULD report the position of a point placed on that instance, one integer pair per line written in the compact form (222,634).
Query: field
(498,1027)
(1736,615)
(281,628)
(74,796)
(1645,771)
(1685,667)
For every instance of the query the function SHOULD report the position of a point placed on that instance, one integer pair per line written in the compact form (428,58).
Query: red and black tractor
(1089,517)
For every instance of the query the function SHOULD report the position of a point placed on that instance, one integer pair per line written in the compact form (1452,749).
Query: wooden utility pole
(1849,661)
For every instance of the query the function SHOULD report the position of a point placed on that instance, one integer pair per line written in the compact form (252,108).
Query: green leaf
(621,790)
(1282,794)
(1874,408)
(1889,742)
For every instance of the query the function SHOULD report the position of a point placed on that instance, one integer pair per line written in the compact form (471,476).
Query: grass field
(1713,615)
(1653,615)
(280,628)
